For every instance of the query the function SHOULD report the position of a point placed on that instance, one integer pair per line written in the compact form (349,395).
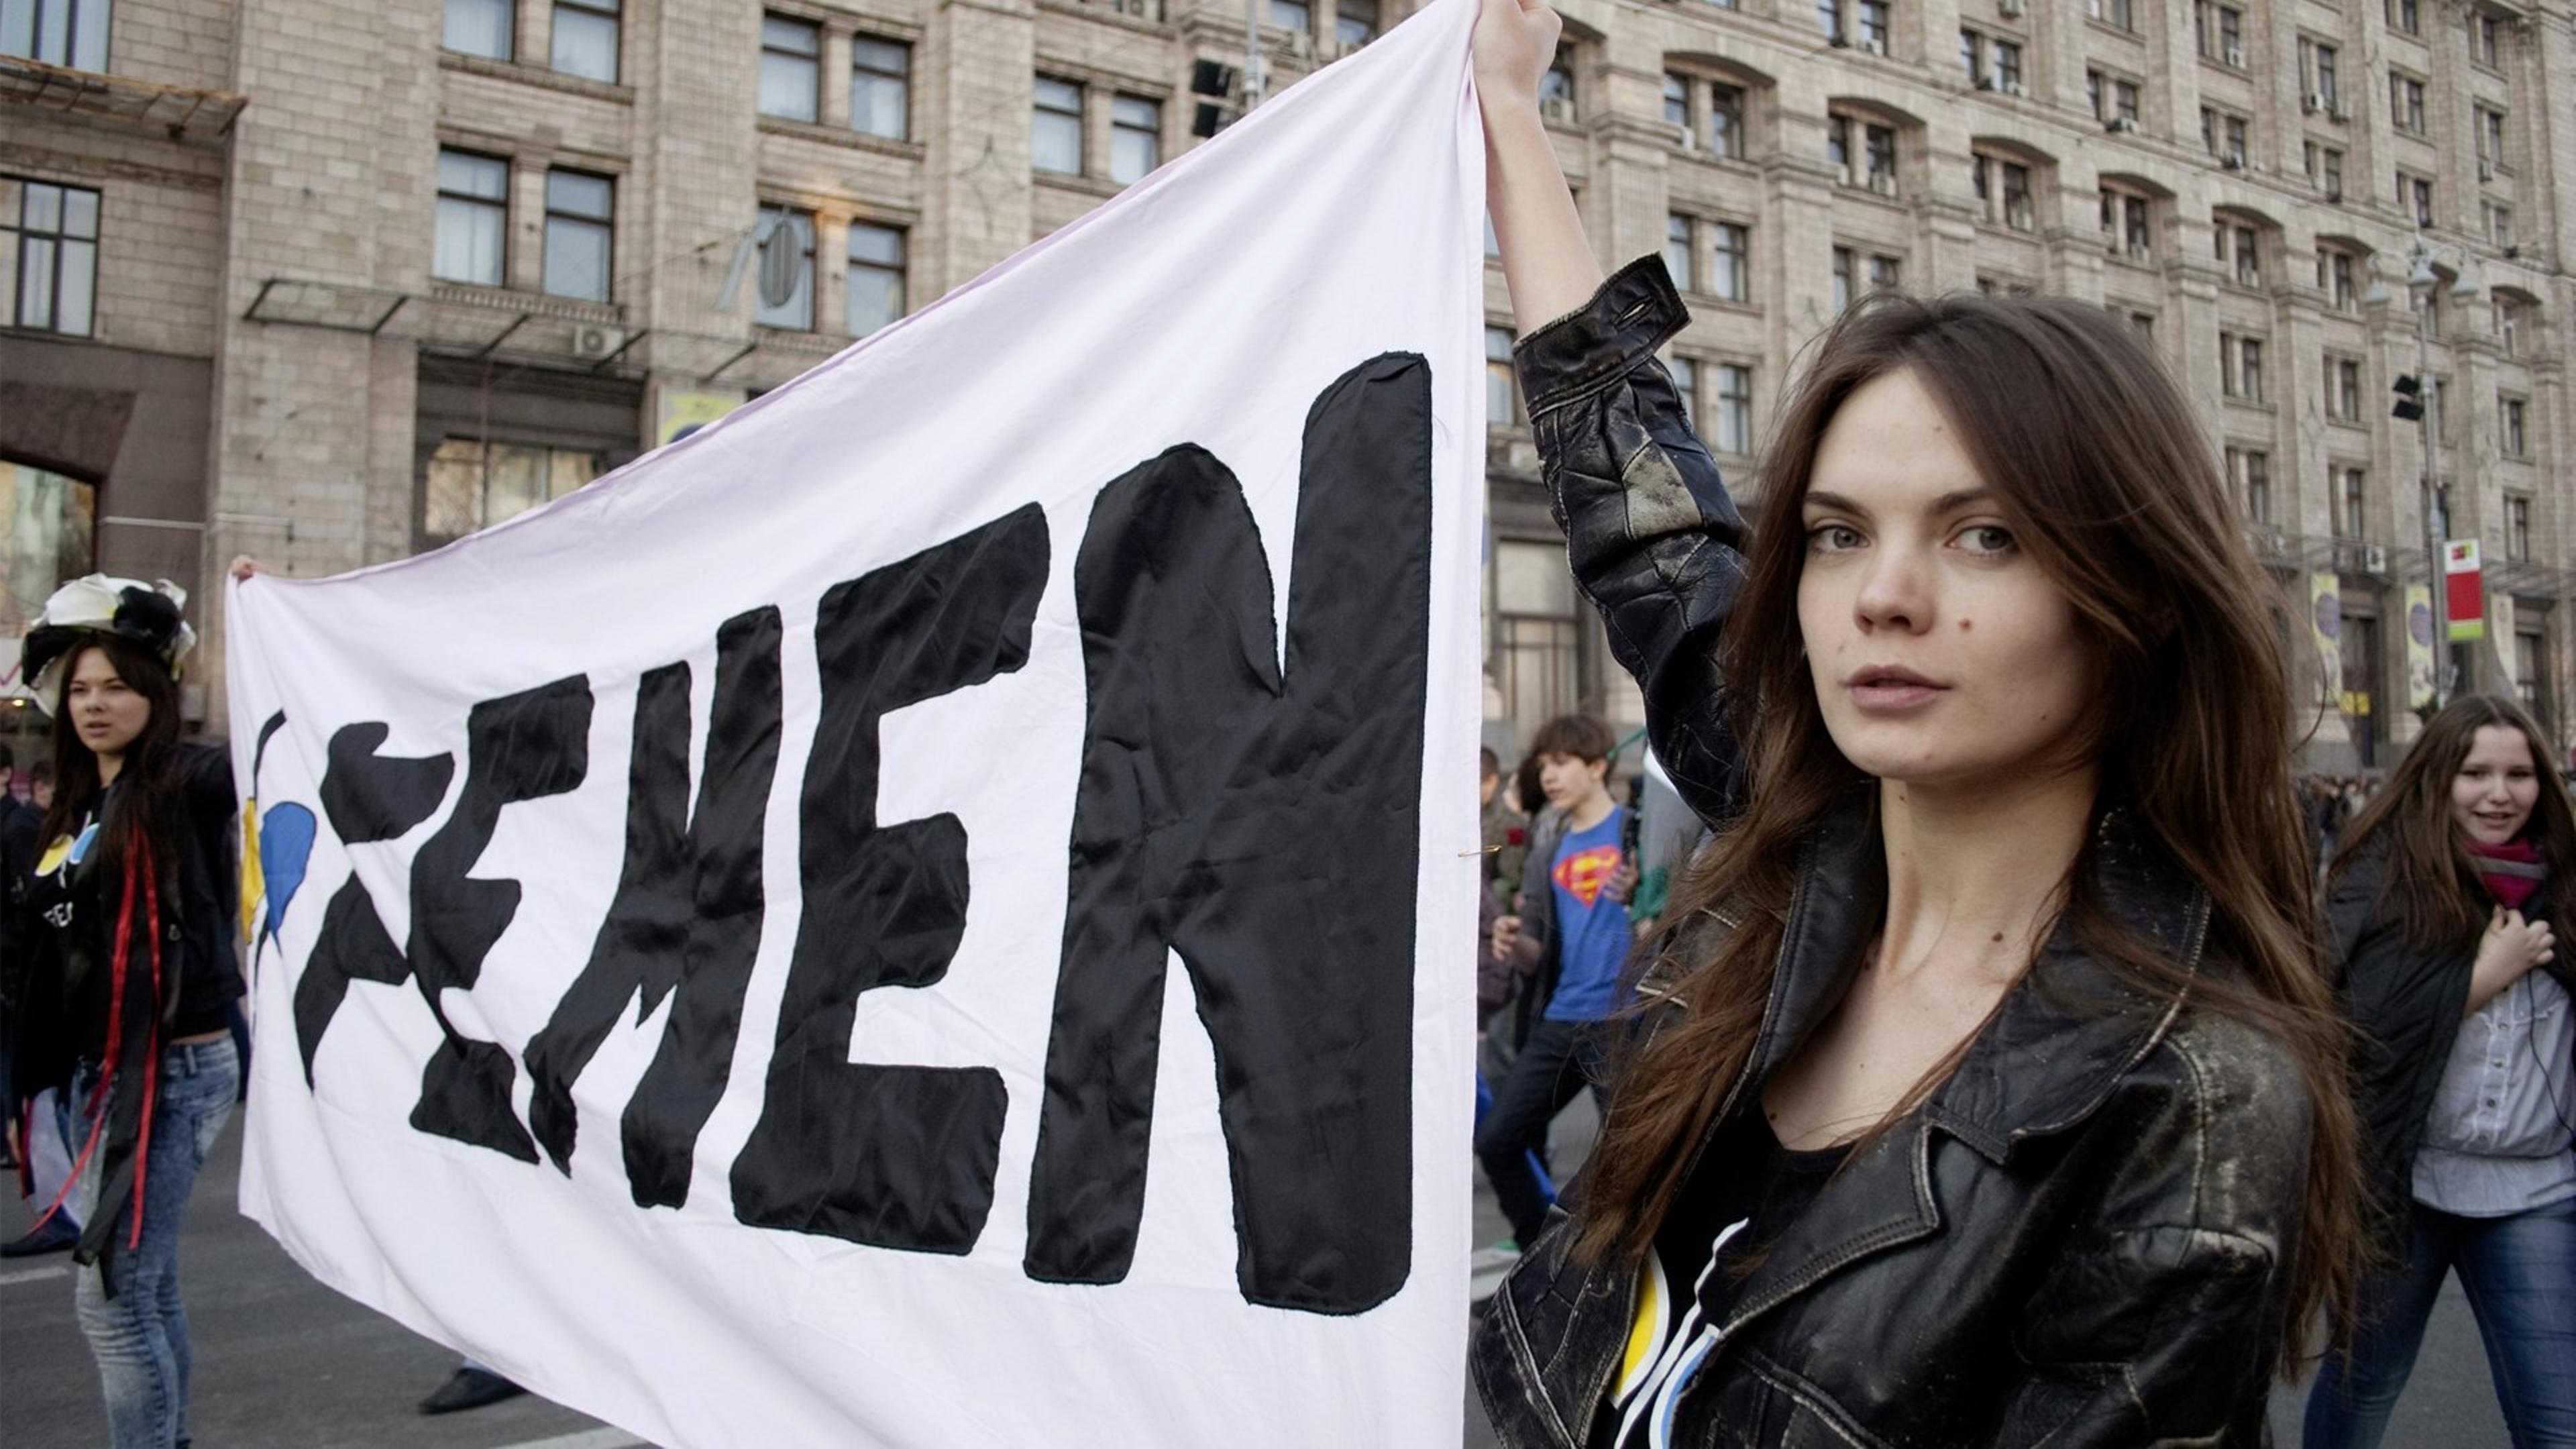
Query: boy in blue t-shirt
(1571,939)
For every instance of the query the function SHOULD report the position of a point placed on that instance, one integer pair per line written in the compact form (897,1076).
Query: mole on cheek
(1966,624)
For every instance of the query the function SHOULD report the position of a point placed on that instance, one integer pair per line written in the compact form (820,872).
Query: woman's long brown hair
(149,807)
(2103,472)
(2431,887)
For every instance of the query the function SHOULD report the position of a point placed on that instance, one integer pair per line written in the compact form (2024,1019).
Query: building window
(471,244)
(2508,325)
(1726,121)
(2120,14)
(2008,67)
(2406,103)
(2405,16)
(1843,288)
(2343,389)
(2415,197)
(2240,367)
(2354,509)
(2499,220)
(2253,474)
(1296,15)
(472,485)
(880,87)
(2124,224)
(2517,529)
(2510,432)
(2485,38)
(875,290)
(1685,375)
(2319,71)
(48,256)
(1677,107)
(1734,410)
(1535,622)
(1880,144)
(58,32)
(1055,127)
(2490,137)
(2219,33)
(1679,251)
(1829,18)
(2442,510)
(2240,245)
(1872,35)
(2223,135)
(2003,189)
(2325,168)
(1556,89)
(1886,274)
(2335,278)
(790,67)
(473,27)
(1135,138)
(1730,256)
(793,231)
(581,212)
(1502,389)
(2530,658)
(1355,23)
(585,39)
(53,529)
(1972,57)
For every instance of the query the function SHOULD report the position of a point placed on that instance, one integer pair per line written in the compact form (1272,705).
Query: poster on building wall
(955,943)
(2419,646)
(2325,628)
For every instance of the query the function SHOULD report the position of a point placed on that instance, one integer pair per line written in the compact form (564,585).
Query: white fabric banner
(935,910)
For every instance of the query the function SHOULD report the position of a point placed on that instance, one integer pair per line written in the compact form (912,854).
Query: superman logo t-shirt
(1591,929)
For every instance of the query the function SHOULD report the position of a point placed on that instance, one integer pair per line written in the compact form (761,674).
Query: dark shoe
(55,1236)
(469,1388)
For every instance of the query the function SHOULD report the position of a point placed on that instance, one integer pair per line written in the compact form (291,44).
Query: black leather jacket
(2082,1238)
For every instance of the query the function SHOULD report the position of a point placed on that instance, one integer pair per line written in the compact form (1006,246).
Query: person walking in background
(2443,912)
(1567,946)
(130,975)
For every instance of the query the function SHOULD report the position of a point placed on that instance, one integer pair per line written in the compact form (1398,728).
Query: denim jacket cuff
(1635,311)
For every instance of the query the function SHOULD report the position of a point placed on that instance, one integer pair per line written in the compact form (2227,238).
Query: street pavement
(285,1363)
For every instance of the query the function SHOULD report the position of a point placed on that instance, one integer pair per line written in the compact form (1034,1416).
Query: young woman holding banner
(130,978)
(1989,1091)
(2443,914)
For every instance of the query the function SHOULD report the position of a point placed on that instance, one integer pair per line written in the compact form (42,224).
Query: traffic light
(1211,85)
(2410,398)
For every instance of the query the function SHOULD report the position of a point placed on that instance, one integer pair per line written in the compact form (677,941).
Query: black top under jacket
(2084,1237)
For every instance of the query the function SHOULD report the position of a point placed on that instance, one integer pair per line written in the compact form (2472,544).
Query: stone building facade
(363,278)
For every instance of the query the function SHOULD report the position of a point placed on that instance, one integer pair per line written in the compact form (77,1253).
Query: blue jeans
(1555,1064)
(140,1337)
(2520,1276)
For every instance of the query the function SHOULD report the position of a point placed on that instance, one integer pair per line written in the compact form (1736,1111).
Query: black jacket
(2406,1003)
(62,927)
(2082,1238)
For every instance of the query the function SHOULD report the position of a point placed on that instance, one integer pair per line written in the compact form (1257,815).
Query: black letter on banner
(526,746)
(891,1156)
(367,797)
(1266,829)
(687,915)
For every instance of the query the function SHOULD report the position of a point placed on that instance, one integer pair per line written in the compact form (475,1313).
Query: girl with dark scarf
(2443,914)
(130,978)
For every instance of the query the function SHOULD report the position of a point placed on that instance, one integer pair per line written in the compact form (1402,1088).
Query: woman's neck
(108,766)
(1973,870)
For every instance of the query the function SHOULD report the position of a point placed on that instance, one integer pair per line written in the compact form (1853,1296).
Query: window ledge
(798,339)
(2356,424)
(841,136)
(2130,33)
(1110,15)
(48,334)
(536,75)
(2248,404)
(1099,186)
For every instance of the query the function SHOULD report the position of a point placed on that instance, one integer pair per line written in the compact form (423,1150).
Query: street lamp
(2415,402)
